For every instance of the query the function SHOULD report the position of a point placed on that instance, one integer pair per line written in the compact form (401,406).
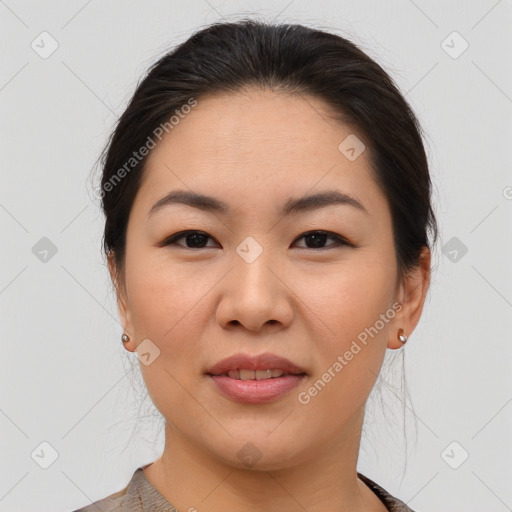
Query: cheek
(352,313)
(164,297)
(351,295)
(166,308)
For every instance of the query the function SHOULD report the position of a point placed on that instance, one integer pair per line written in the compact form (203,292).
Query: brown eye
(317,240)
(193,239)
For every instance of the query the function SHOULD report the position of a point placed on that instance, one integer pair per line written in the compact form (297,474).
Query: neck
(191,479)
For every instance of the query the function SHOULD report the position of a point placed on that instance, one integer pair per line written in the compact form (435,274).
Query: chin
(261,451)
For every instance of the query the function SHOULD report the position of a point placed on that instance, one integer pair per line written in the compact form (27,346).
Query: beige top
(140,496)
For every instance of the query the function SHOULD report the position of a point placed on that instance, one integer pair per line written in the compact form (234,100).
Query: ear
(122,302)
(411,294)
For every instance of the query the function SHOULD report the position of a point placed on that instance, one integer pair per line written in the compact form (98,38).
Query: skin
(254,150)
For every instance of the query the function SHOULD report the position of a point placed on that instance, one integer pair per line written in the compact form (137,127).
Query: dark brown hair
(226,57)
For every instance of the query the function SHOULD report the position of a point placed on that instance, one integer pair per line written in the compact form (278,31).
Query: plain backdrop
(69,398)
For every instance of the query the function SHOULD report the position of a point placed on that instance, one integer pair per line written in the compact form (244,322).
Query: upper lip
(258,362)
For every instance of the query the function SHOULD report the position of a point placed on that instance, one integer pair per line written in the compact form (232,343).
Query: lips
(260,379)
(247,367)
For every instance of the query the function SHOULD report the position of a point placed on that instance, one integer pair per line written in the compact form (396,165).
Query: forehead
(259,147)
(258,125)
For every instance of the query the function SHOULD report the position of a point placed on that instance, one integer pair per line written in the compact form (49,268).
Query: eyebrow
(292,206)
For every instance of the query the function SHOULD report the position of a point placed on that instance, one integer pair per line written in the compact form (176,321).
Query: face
(314,282)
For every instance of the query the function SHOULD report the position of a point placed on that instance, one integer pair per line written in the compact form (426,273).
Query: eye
(317,240)
(196,239)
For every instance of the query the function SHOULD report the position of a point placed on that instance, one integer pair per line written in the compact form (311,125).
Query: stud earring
(402,337)
(125,338)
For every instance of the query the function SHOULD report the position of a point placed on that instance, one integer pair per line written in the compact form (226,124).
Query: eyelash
(339,241)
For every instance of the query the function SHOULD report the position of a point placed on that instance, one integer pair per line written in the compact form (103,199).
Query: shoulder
(114,502)
(138,496)
(122,500)
(392,504)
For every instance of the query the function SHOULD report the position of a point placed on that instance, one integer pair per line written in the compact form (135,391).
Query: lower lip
(256,391)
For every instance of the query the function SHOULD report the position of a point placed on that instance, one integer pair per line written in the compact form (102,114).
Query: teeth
(247,374)
(255,374)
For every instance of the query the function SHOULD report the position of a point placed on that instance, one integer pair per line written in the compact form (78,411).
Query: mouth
(259,367)
(255,379)
(245,374)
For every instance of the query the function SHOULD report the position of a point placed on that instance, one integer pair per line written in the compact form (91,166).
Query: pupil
(318,239)
(197,237)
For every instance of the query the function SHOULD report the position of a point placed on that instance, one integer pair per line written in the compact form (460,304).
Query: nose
(255,296)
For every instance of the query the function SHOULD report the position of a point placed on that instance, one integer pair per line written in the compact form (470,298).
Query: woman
(267,203)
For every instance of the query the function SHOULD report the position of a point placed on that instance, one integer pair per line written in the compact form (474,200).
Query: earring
(401,336)
(125,338)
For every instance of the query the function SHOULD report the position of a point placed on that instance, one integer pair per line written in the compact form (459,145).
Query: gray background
(66,379)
